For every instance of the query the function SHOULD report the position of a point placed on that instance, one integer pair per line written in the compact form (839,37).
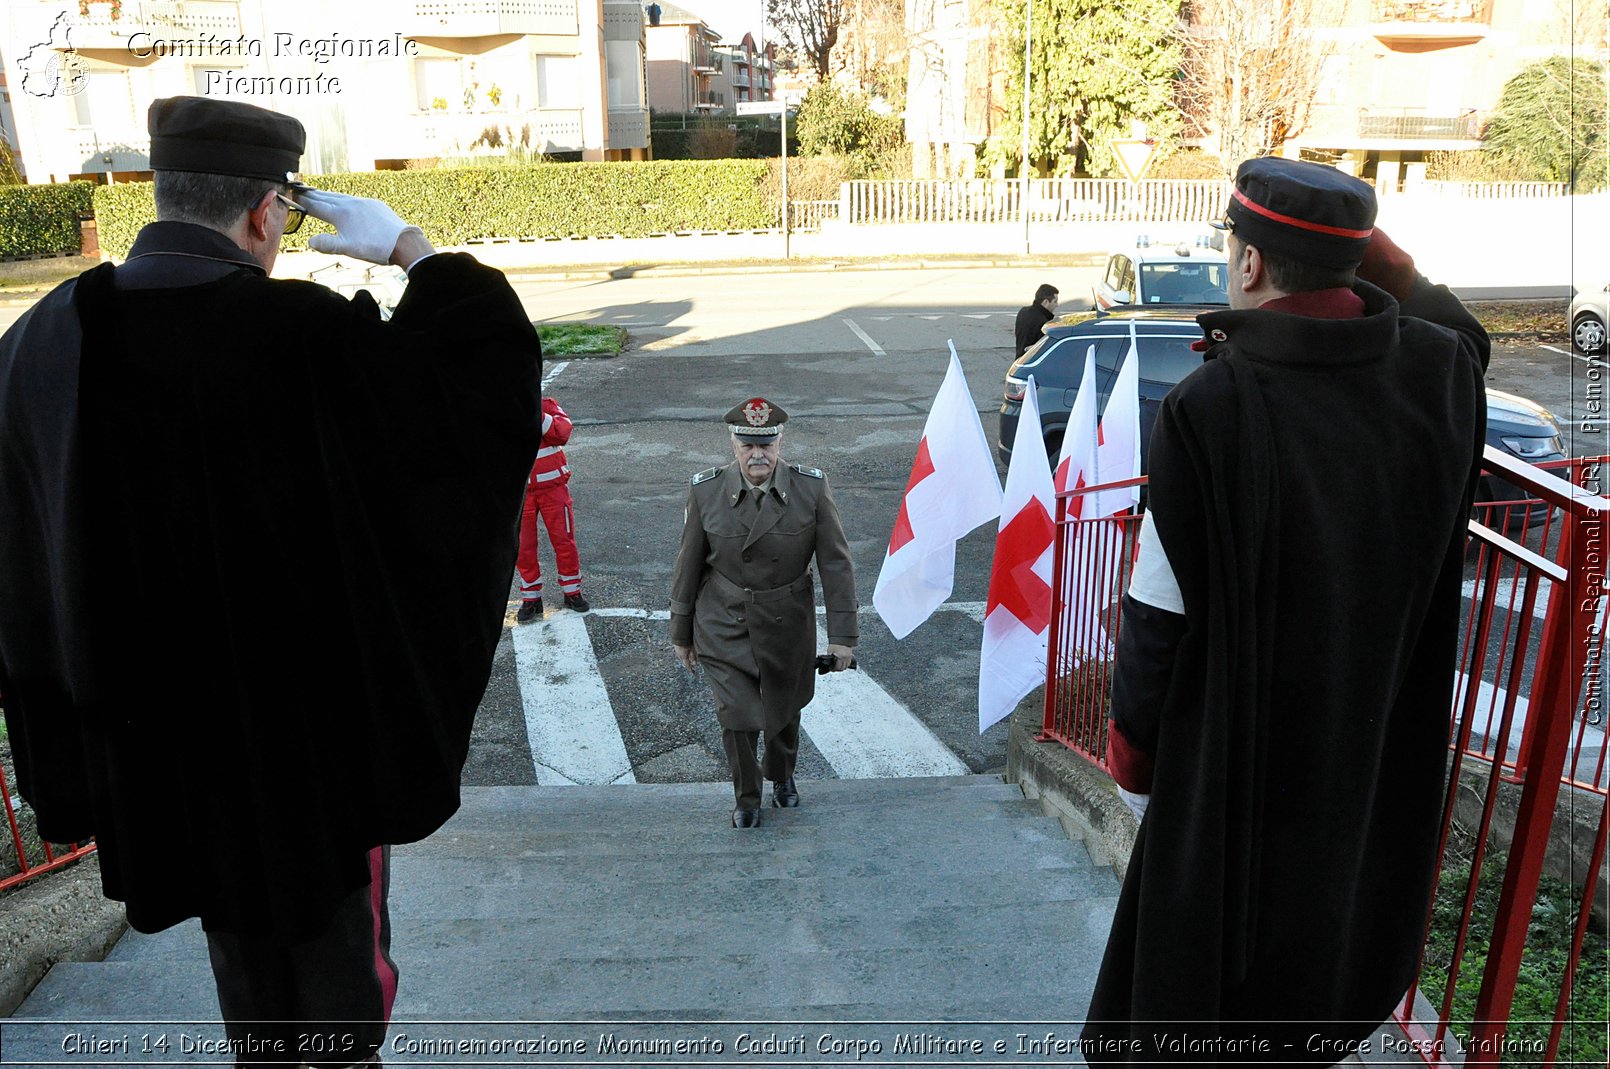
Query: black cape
(255,548)
(1312,475)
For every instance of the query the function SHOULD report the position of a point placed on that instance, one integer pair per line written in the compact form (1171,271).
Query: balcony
(1408,124)
(711,101)
(740,77)
(628,128)
(706,60)
(1425,25)
(423,135)
(138,27)
(491,18)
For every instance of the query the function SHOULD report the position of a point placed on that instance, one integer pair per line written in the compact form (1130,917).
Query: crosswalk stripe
(866,734)
(569,721)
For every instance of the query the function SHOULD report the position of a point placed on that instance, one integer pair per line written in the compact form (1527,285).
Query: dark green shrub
(546,200)
(42,220)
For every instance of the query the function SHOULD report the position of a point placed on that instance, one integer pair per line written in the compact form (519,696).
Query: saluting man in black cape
(1286,662)
(255,548)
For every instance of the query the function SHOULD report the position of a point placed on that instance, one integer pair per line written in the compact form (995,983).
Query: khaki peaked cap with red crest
(757,418)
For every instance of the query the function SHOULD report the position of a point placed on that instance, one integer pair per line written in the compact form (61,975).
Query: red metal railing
(1528,707)
(31,856)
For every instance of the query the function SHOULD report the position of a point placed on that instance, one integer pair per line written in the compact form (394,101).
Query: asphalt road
(855,357)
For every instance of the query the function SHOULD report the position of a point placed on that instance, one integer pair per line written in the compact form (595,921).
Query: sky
(730,18)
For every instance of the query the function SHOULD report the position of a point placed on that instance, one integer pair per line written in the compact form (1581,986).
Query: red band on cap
(1303,224)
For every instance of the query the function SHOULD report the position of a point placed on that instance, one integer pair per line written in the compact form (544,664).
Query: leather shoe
(746,818)
(529,610)
(576,603)
(784,795)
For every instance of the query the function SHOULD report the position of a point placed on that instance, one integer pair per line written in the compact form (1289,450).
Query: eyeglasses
(294,213)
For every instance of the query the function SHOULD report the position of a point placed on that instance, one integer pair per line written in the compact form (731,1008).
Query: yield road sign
(1134,156)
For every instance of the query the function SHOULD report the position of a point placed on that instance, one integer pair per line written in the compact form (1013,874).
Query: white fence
(1099,200)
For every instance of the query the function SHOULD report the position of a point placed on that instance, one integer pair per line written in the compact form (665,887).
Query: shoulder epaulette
(706,475)
(815,473)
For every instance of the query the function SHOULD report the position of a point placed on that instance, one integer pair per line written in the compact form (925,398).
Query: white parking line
(1509,594)
(866,734)
(864,336)
(553,372)
(569,722)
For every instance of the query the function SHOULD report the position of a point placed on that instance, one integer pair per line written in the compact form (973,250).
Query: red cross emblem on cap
(757,412)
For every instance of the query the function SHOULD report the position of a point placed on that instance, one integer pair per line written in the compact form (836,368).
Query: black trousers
(323,1000)
(782,747)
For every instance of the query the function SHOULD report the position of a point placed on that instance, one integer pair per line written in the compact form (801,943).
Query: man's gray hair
(213,200)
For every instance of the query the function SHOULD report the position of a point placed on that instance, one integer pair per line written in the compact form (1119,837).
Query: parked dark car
(1515,425)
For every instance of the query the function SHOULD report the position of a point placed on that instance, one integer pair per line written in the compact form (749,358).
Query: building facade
(684,62)
(377,83)
(1405,78)
(747,73)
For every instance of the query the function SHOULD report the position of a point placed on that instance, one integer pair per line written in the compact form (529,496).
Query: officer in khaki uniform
(743,603)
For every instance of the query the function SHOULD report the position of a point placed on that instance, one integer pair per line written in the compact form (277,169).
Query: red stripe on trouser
(558,516)
(379,890)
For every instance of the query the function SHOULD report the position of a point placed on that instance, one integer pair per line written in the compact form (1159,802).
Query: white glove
(365,227)
(1137,803)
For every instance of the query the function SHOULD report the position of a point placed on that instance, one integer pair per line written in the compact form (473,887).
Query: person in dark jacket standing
(1032,318)
(308,519)
(743,603)
(1286,662)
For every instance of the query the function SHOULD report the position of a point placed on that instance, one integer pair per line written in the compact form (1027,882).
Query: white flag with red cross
(953,488)
(1118,456)
(1078,467)
(1017,616)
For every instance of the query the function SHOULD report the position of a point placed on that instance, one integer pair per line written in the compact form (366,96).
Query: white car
(384,282)
(1153,275)
(1590,311)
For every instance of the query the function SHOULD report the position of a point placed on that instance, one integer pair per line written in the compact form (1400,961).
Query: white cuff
(1137,803)
(410,268)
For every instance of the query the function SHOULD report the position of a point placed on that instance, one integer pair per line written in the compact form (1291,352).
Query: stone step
(914,981)
(638,797)
(603,934)
(505,889)
(1036,843)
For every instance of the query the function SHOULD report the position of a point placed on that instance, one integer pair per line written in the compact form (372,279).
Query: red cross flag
(1118,457)
(1083,445)
(1017,616)
(953,488)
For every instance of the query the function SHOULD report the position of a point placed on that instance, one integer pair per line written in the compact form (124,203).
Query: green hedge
(42,220)
(546,200)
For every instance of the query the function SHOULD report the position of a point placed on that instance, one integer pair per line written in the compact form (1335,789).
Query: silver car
(1590,311)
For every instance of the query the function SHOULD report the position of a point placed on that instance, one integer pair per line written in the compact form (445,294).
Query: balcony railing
(488,18)
(1411,125)
(437,133)
(628,128)
(195,20)
(1458,11)
(740,77)
(710,100)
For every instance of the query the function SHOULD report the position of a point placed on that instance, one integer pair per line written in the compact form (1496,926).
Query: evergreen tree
(1549,125)
(1095,67)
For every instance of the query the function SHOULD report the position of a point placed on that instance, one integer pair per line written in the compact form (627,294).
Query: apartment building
(684,62)
(1410,77)
(747,74)
(376,82)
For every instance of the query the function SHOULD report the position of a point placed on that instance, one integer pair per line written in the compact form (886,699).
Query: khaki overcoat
(742,594)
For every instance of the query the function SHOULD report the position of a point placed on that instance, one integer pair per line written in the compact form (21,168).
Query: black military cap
(224,137)
(1303,210)
(756,418)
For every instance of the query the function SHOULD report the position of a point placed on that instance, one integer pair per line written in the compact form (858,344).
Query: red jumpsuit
(547,492)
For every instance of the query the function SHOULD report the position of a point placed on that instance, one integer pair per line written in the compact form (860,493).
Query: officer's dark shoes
(576,603)
(529,610)
(746,818)
(784,795)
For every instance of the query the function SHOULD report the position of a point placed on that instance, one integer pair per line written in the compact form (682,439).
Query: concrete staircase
(889,901)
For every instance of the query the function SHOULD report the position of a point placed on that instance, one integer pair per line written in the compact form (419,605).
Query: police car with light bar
(1164,275)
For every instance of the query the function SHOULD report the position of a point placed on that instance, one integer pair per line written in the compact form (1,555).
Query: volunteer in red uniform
(548,492)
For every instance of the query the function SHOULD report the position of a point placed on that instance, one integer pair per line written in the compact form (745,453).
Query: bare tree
(811,26)
(1252,68)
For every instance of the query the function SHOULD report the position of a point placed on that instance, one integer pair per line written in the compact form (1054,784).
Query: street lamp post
(1028,38)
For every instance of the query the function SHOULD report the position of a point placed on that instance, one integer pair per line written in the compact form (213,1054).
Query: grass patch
(42,274)
(1537,988)
(1544,320)
(580,339)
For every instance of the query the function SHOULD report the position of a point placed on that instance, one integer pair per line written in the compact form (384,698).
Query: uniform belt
(732,589)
